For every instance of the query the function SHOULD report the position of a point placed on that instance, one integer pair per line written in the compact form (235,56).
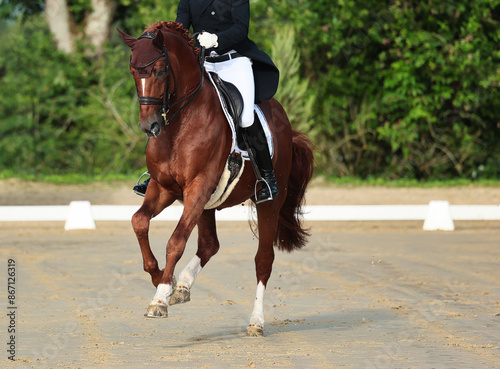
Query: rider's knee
(247,120)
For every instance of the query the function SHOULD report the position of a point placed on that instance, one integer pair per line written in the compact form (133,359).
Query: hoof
(181,294)
(254,330)
(157,311)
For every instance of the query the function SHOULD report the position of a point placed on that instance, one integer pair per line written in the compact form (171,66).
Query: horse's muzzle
(155,129)
(151,127)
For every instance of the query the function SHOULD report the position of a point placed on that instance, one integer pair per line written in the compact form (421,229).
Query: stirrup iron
(139,182)
(264,183)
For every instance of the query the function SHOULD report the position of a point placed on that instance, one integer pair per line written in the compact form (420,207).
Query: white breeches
(239,72)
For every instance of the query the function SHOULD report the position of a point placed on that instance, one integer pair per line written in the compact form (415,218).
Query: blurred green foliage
(63,113)
(394,89)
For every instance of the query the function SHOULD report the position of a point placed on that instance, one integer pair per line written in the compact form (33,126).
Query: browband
(150,35)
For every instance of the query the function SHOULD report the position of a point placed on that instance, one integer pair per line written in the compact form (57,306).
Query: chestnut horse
(186,154)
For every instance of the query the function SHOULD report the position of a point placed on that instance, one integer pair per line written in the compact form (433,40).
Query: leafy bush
(391,90)
(292,91)
(404,89)
(65,113)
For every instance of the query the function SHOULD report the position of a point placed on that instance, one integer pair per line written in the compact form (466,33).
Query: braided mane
(176,28)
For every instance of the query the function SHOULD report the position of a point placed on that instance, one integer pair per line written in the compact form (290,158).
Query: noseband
(165,101)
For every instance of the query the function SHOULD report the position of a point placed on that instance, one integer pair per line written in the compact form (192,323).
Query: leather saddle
(233,101)
(234,105)
(232,97)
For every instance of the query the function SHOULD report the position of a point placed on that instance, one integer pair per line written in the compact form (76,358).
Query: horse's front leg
(155,201)
(208,245)
(194,202)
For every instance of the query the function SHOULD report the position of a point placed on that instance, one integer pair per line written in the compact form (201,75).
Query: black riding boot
(140,188)
(256,139)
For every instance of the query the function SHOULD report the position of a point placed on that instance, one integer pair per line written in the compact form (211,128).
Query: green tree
(292,92)
(385,89)
(403,88)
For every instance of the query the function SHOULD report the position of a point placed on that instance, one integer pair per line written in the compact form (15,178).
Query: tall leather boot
(256,139)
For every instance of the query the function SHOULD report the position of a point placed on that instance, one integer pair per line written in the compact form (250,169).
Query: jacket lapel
(199,7)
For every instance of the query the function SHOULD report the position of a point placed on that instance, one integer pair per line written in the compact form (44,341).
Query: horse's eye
(160,73)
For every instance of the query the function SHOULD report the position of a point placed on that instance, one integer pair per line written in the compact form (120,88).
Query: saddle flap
(234,124)
(231,95)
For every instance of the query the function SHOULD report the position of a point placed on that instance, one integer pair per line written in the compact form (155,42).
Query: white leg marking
(143,80)
(190,272)
(257,317)
(162,292)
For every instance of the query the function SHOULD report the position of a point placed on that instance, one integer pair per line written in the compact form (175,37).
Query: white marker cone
(439,217)
(80,216)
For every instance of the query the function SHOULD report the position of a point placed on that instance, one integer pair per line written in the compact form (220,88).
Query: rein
(165,101)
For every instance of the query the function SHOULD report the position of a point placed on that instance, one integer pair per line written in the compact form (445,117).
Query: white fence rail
(437,211)
(241,213)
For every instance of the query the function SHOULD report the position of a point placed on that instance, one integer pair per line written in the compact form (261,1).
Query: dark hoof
(254,330)
(157,311)
(181,294)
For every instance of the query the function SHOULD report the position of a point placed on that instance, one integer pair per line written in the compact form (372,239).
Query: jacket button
(213,13)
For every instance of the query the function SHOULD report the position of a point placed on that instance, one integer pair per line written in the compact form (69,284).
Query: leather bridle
(166,104)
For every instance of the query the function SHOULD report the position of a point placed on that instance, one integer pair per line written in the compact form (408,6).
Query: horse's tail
(291,235)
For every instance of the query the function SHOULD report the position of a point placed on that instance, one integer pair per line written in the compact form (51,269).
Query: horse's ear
(158,40)
(129,40)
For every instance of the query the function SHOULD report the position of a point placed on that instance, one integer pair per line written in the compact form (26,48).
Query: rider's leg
(257,141)
(140,188)
(239,72)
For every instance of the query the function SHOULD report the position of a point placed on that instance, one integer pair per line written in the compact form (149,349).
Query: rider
(223,29)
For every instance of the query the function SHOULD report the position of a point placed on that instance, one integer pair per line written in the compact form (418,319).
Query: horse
(189,142)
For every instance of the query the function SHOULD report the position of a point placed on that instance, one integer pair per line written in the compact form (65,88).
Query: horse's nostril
(155,129)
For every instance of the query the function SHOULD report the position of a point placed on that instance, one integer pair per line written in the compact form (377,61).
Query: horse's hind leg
(208,245)
(268,224)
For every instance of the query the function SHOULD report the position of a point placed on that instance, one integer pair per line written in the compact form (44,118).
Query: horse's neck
(202,124)
(195,115)
(185,64)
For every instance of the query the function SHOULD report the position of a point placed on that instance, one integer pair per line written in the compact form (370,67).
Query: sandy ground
(360,295)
